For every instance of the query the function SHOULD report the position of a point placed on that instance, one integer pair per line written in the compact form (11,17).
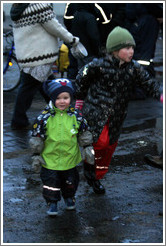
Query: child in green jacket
(57,134)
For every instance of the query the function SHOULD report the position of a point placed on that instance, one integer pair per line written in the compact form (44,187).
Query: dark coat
(134,11)
(141,21)
(85,26)
(106,90)
(71,8)
(115,12)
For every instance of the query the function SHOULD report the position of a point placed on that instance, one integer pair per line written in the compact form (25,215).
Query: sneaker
(98,188)
(70,203)
(53,210)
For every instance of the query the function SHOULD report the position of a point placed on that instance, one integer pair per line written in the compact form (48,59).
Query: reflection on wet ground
(131,211)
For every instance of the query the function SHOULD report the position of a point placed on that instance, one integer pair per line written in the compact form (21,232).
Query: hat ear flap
(45,87)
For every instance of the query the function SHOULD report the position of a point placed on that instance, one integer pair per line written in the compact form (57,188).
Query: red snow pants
(103,153)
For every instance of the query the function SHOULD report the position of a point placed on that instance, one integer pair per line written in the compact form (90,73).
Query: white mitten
(79,51)
(36,145)
(37,161)
(88,155)
(75,41)
(85,138)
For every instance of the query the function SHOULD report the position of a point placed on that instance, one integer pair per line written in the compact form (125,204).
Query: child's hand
(79,104)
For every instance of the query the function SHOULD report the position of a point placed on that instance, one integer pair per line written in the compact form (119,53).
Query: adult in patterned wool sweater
(105,85)
(36,34)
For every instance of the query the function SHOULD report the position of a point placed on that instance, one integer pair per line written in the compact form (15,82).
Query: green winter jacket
(59,130)
(61,151)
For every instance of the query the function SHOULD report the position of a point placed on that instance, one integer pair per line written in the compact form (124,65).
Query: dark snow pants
(57,183)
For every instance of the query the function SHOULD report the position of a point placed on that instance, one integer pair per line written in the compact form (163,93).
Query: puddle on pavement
(130,241)
(141,124)
(16,200)
(12,183)
(10,187)
(136,138)
(5,174)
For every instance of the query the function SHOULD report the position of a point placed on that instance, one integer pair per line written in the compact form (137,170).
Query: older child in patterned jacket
(54,144)
(105,85)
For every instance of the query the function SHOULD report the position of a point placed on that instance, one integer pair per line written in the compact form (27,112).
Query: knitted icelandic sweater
(36,34)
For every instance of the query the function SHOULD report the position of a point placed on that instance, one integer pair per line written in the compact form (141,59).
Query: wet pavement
(131,210)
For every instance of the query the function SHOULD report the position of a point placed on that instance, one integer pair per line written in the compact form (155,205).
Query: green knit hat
(119,38)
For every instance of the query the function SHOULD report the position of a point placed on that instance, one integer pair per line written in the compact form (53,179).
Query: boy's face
(125,54)
(63,100)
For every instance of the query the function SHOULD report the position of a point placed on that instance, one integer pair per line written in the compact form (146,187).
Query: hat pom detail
(54,87)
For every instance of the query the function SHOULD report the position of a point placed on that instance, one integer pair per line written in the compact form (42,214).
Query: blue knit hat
(54,87)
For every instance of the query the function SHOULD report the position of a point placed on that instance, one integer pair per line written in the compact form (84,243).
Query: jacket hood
(17,10)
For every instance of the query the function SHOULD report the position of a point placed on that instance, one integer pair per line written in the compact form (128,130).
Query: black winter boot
(97,186)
